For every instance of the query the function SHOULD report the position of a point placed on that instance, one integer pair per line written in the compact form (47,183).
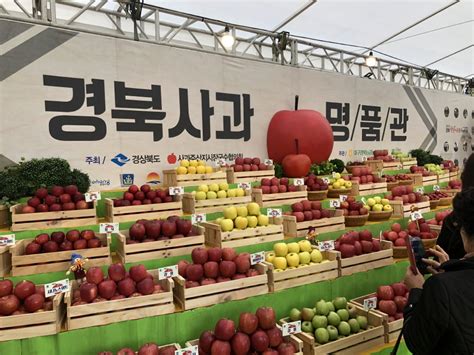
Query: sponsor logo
(153,178)
(101,182)
(172,158)
(120,159)
(126,179)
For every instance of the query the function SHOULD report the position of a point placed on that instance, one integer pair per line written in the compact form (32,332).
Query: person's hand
(412,280)
(433,265)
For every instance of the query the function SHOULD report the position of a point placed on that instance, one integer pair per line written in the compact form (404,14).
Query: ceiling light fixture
(227,38)
(371,61)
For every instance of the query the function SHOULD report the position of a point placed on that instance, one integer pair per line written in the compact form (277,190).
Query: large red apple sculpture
(311,129)
(296,165)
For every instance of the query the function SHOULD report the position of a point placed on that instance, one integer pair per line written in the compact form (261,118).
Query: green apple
(263,220)
(387,208)
(293,259)
(337,176)
(377,208)
(200,195)
(203,188)
(330,306)
(241,222)
(371,202)
(305,258)
(305,245)
(230,212)
(253,221)
(253,208)
(344,328)
(334,319)
(219,220)
(214,187)
(307,327)
(322,308)
(355,328)
(352,310)
(242,211)
(316,256)
(307,314)
(293,247)
(336,185)
(280,249)
(333,333)
(269,257)
(227,225)
(211,195)
(221,194)
(240,192)
(223,186)
(295,314)
(362,320)
(320,322)
(343,314)
(385,202)
(348,184)
(340,303)
(321,335)
(279,262)
(378,199)
(231,193)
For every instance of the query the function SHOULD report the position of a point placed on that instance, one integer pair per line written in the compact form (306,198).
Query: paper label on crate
(109,228)
(56,287)
(334,203)
(198,218)
(92,196)
(380,236)
(436,188)
(416,216)
(167,272)
(370,303)
(342,198)
(190,350)
(291,328)
(176,190)
(274,212)
(363,200)
(298,182)
(326,245)
(220,162)
(420,189)
(268,162)
(326,180)
(244,185)
(7,240)
(256,258)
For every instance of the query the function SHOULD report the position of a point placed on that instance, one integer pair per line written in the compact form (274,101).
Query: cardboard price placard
(7,240)
(326,180)
(298,182)
(414,216)
(421,190)
(190,350)
(274,212)
(363,200)
(109,228)
(256,258)
(220,163)
(342,198)
(176,190)
(326,245)
(334,203)
(92,196)
(244,185)
(268,162)
(56,287)
(436,188)
(291,328)
(370,303)
(198,218)
(167,272)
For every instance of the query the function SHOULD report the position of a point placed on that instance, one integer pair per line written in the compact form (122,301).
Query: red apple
(248,323)
(6,287)
(107,289)
(388,307)
(399,289)
(260,341)
(34,302)
(385,293)
(220,347)
(228,254)
(240,344)
(88,291)
(9,304)
(94,275)
(138,272)
(227,268)
(214,254)
(224,330)
(194,272)
(199,255)
(116,272)
(266,317)
(205,341)
(275,337)
(126,287)
(211,269)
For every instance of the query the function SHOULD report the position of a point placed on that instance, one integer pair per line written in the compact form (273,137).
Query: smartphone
(416,252)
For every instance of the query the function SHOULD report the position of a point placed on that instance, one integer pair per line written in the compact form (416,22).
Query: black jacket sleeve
(427,317)
(450,239)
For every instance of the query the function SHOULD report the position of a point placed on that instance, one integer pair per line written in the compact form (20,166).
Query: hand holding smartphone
(416,252)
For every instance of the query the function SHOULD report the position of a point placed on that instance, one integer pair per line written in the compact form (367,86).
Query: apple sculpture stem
(296,165)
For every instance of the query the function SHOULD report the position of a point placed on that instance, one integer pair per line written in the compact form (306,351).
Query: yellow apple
(200,195)
(242,211)
(371,202)
(223,186)
(200,169)
(230,212)
(305,245)
(240,192)
(279,262)
(387,208)
(241,222)
(336,185)
(191,169)
(181,170)
(219,220)
(348,184)
(293,247)
(253,221)
(209,169)
(305,257)
(269,257)
(280,249)
(214,187)
(337,176)
(211,195)
(227,225)
(201,163)
(293,259)
(231,193)
(377,208)
(378,199)
(184,163)
(385,202)
(263,220)
(193,163)
(221,194)
(253,208)
(203,188)
(316,256)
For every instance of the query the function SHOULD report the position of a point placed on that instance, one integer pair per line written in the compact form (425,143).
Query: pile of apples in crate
(382,155)
(145,349)
(159,229)
(308,211)
(118,285)
(58,198)
(363,175)
(455,184)
(249,164)
(256,334)
(276,185)
(193,167)
(214,265)
(378,204)
(420,170)
(25,297)
(143,196)
(315,183)
(397,177)
(329,321)
(439,218)
(293,255)
(242,217)
(339,182)
(392,299)
(449,165)
(213,191)
(356,243)
(397,235)
(406,194)
(436,195)
(352,207)
(58,241)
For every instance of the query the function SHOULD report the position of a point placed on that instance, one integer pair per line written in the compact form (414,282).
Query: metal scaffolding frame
(169,27)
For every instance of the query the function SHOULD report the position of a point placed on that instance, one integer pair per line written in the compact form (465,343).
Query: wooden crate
(4,216)
(113,311)
(58,261)
(191,205)
(391,185)
(304,275)
(151,211)
(279,199)
(392,165)
(392,329)
(430,180)
(214,237)
(160,249)
(46,220)
(452,192)
(5,261)
(366,262)
(171,178)
(435,228)
(400,210)
(234,177)
(417,179)
(454,175)
(29,325)
(407,163)
(294,229)
(370,189)
(317,195)
(363,340)
(208,295)
(444,177)
(376,165)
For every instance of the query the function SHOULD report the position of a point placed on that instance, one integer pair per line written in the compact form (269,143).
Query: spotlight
(227,38)
(371,61)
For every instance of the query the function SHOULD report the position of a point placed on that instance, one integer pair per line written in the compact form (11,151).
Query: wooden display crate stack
(370,189)
(293,229)
(215,237)
(279,199)
(208,295)
(408,162)
(56,261)
(366,262)
(353,344)
(418,179)
(5,261)
(172,178)
(303,275)
(443,177)
(400,210)
(192,206)
(160,249)
(29,325)
(112,311)
(234,177)
(54,219)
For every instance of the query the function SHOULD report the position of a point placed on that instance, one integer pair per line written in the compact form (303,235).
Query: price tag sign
(92,196)
(363,200)
(370,303)
(274,212)
(167,272)
(198,218)
(436,188)
(109,228)
(298,182)
(421,190)
(364,158)
(7,240)
(220,162)
(244,185)
(334,174)
(56,287)
(326,180)
(380,236)
(326,245)
(176,190)
(334,203)
(416,216)
(291,328)
(342,198)
(256,258)
(268,162)
(190,350)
